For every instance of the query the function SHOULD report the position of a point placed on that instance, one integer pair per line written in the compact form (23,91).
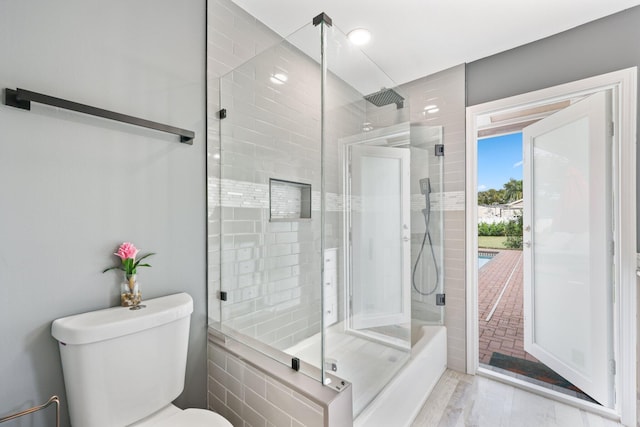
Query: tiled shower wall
(446,89)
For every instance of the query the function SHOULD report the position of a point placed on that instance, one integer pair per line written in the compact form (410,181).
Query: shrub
(513,231)
(488,229)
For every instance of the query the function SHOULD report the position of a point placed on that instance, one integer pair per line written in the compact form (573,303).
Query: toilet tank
(121,365)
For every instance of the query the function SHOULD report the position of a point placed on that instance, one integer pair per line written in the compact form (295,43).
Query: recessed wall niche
(288,200)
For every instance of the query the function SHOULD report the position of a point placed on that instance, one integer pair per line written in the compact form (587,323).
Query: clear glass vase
(130,295)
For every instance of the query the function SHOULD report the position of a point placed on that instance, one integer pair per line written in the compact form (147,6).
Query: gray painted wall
(73,187)
(598,47)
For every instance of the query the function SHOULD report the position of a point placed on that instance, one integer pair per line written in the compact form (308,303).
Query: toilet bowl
(124,367)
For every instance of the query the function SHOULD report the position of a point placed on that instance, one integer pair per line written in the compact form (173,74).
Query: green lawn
(492,242)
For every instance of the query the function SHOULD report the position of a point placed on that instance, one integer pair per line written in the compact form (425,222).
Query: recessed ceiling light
(430,107)
(278,78)
(433,110)
(359,36)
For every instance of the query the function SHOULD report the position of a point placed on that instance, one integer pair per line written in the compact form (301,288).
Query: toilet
(124,367)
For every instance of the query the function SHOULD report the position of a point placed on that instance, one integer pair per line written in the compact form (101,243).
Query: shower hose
(427,237)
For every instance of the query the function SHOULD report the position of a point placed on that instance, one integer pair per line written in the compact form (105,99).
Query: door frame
(624,85)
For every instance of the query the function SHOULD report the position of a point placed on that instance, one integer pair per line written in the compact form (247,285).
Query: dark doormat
(535,370)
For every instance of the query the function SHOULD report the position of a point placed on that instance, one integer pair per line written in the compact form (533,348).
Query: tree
(490,197)
(512,190)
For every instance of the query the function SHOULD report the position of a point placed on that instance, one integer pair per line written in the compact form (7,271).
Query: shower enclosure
(331,212)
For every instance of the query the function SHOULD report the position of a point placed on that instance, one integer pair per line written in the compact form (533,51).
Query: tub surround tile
(270,393)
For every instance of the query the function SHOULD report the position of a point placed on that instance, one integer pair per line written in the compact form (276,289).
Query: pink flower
(127,250)
(127,253)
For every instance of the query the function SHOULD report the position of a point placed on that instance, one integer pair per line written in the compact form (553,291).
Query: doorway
(500,276)
(554,324)
(573,320)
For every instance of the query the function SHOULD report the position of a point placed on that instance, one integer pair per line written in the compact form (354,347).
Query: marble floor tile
(461,400)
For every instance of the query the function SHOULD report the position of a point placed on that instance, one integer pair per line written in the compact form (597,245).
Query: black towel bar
(22,98)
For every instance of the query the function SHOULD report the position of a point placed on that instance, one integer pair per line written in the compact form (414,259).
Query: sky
(499,159)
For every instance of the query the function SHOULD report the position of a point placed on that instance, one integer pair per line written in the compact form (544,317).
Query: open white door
(568,241)
(380,236)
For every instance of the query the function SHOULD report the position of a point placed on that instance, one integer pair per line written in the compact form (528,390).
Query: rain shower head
(385,97)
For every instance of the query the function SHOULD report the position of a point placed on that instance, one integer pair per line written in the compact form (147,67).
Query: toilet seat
(171,416)
(195,418)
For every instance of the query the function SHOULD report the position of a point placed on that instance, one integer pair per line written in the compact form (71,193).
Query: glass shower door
(270,263)
(427,224)
(368,341)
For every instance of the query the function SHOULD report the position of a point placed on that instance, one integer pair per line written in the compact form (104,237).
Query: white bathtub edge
(395,406)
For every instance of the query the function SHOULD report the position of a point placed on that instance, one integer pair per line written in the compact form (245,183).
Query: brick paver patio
(500,290)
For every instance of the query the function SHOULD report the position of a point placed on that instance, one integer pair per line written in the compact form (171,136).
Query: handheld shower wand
(425,189)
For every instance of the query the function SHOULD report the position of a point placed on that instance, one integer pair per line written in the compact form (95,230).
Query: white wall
(72,187)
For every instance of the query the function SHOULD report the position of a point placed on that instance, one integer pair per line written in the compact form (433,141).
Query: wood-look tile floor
(465,400)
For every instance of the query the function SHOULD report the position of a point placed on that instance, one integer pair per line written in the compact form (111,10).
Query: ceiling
(416,38)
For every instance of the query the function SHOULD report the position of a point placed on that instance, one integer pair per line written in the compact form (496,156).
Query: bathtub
(401,399)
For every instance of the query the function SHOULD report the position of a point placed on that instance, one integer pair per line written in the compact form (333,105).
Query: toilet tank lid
(115,322)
